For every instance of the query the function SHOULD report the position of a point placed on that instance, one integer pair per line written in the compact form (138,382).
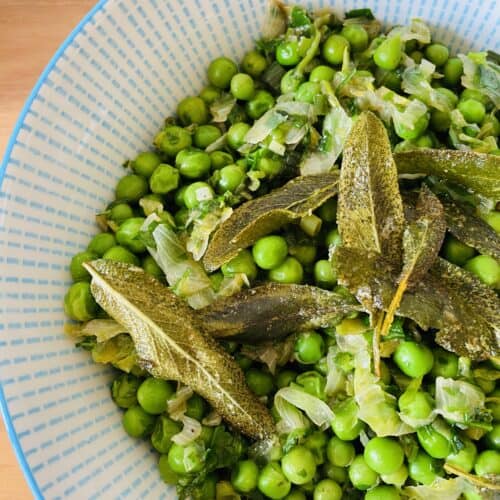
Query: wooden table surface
(30,33)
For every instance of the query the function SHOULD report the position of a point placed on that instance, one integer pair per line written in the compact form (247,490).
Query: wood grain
(30,33)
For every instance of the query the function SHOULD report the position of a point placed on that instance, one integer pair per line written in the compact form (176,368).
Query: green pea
(119,212)
(309,347)
(388,54)
(79,304)
(244,476)
(196,407)
(357,36)
(327,489)
(181,216)
(383,493)
(101,243)
(440,121)
(173,139)
(437,53)
(165,428)
(204,135)
(328,211)
(236,134)
(121,254)
(78,272)
(151,267)
(128,234)
(307,92)
(433,442)
(492,438)
(242,86)
(452,71)
(167,475)
(196,193)
(231,178)
(422,469)
(425,141)
(193,163)
(242,263)
(361,475)
(445,364)
(324,274)
(316,442)
(486,385)
(464,459)
(287,53)
(137,422)
(254,63)
(333,49)
(346,424)
(296,495)
(320,73)
(261,102)
(285,378)
(187,459)
(412,133)
(272,482)
(494,406)
(298,465)
(305,254)
(457,252)
(269,252)
(417,56)
(289,271)
(132,187)
(397,478)
(415,404)
(486,268)
(192,110)
(488,462)
(340,453)
(290,81)
(124,390)
(390,79)
(220,71)
(413,359)
(338,474)
(271,165)
(472,110)
(475,95)
(259,382)
(313,383)
(210,94)
(153,394)
(219,159)
(384,455)
(145,163)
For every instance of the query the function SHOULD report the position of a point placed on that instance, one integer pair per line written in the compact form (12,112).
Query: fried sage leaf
(261,216)
(479,172)
(469,229)
(273,311)
(169,345)
(422,240)
(370,210)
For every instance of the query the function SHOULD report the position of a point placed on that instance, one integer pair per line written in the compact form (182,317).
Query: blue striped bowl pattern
(99,101)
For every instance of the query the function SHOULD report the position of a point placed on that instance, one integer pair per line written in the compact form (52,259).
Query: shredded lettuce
(417,30)
(416,81)
(335,377)
(291,419)
(177,405)
(440,489)
(118,351)
(413,422)
(481,74)
(191,431)
(101,329)
(221,108)
(316,409)
(458,401)
(336,127)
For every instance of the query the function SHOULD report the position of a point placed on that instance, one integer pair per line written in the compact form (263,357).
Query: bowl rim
(4,409)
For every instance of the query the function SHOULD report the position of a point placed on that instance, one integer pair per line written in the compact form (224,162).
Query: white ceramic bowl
(98,102)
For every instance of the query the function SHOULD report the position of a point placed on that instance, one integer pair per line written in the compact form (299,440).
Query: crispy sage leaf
(479,172)
(273,311)
(263,215)
(370,210)
(422,240)
(469,229)
(169,345)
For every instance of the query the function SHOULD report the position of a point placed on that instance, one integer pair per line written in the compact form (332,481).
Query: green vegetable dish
(298,285)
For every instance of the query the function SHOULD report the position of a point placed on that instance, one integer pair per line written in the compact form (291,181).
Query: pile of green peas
(180,174)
